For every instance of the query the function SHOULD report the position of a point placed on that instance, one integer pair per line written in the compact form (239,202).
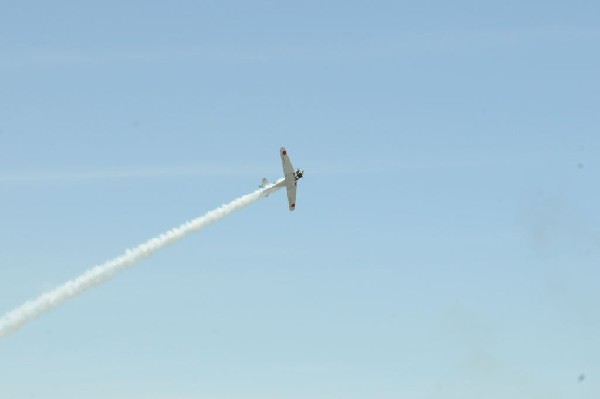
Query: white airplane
(290,179)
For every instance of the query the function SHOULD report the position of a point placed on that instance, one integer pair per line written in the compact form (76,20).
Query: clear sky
(447,236)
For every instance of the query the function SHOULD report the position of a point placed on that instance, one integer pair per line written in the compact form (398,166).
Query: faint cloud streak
(410,43)
(71,176)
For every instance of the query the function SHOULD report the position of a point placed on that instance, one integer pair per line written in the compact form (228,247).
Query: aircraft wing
(290,180)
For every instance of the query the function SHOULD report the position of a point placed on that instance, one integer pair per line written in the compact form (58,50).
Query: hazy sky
(447,236)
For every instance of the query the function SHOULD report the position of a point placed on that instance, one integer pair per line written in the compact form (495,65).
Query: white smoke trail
(14,319)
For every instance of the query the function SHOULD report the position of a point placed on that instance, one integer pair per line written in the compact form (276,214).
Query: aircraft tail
(264,183)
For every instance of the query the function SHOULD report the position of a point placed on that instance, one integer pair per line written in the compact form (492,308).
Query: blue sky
(446,240)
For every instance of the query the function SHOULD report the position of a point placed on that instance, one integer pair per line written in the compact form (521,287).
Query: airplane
(290,181)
